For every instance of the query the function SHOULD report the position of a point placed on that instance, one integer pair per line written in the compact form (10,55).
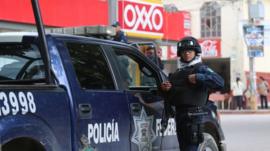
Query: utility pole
(252,85)
(254,14)
(252,73)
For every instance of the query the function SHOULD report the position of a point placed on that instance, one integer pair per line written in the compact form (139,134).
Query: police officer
(120,35)
(187,90)
(150,53)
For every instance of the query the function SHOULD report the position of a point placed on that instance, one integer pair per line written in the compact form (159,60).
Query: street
(246,132)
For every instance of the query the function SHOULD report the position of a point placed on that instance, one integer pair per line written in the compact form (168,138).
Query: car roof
(18,36)
(57,35)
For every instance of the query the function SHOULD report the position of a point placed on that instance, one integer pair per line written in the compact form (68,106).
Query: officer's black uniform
(120,36)
(188,98)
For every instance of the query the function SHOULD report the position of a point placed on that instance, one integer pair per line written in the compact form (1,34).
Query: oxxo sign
(141,19)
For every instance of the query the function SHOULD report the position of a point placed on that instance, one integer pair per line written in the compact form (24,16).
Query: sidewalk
(258,111)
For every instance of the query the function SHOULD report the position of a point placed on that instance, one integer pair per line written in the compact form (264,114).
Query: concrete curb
(244,111)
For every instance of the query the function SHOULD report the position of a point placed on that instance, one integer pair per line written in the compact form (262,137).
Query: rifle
(167,113)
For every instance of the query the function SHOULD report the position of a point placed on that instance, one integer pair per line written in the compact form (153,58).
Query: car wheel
(209,143)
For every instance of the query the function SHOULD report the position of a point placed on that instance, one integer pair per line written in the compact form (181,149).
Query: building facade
(233,16)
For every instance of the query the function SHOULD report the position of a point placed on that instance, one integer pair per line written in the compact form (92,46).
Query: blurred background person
(120,35)
(263,90)
(150,54)
(237,93)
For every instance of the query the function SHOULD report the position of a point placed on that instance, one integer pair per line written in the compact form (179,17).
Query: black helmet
(188,43)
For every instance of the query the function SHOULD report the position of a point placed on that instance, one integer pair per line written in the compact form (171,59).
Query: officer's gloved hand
(192,78)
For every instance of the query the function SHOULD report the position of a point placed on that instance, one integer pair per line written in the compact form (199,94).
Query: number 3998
(15,103)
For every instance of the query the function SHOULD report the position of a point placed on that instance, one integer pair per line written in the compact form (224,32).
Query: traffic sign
(254,38)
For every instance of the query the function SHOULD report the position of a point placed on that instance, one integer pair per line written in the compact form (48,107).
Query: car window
(134,71)
(20,62)
(90,66)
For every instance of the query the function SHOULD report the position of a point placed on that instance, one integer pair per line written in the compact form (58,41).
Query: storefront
(141,20)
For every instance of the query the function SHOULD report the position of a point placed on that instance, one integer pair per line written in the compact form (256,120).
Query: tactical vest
(185,93)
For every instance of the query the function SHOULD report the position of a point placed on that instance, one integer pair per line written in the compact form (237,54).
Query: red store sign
(59,13)
(141,18)
(210,47)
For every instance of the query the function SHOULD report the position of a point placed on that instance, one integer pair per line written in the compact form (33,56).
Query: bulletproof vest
(185,93)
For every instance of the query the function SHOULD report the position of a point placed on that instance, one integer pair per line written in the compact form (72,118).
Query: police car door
(101,110)
(140,82)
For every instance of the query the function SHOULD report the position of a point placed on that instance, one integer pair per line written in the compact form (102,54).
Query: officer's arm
(209,78)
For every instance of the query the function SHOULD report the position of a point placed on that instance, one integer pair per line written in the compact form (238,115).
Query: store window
(210,20)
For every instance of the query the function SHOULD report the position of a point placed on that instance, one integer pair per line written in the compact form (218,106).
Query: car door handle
(85,110)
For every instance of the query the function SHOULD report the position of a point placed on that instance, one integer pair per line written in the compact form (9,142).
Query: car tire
(209,143)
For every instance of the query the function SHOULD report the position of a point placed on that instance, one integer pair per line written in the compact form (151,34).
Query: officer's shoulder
(200,66)
(205,68)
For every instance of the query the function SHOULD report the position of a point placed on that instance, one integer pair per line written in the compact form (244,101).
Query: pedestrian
(246,97)
(263,90)
(120,35)
(151,54)
(237,93)
(187,90)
